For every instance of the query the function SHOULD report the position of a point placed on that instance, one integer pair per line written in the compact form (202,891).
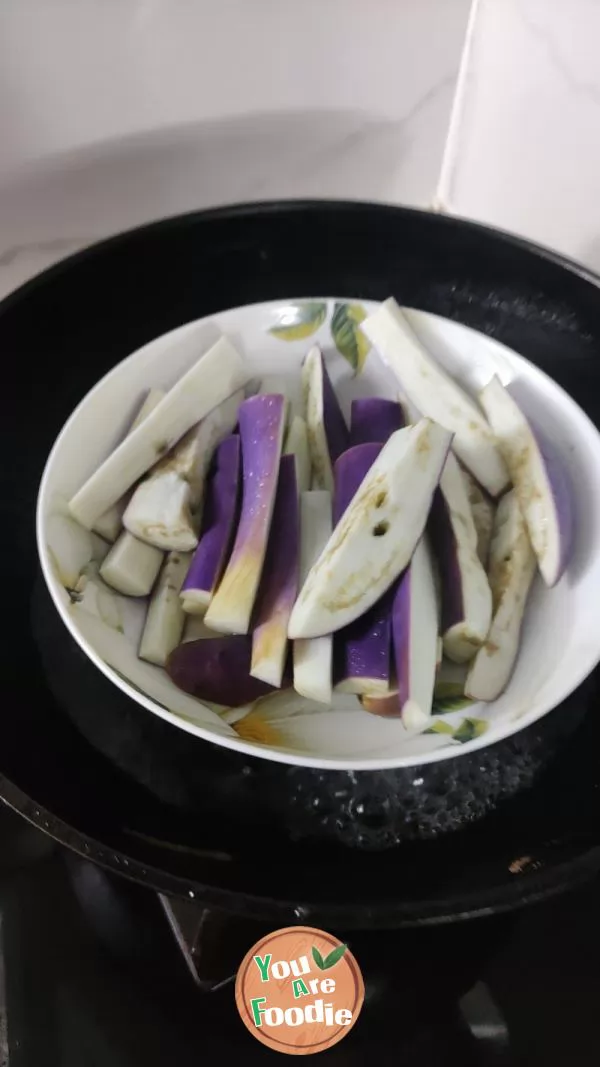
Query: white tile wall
(525,149)
(113,112)
(116,111)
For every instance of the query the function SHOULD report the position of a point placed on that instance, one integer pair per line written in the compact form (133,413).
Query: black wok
(120,786)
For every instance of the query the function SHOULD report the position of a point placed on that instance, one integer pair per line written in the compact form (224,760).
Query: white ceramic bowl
(561,633)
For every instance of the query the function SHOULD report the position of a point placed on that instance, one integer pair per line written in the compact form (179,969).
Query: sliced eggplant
(296,444)
(217,670)
(313,657)
(261,423)
(165,509)
(376,537)
(540,480)
(415,638)
(279,583)
(165,617)
(482,510)
(217,375)
(327,430)
(218,527)
(276,384)
(437,395)
(110,524)
(361,651)
(466,599)
(195,629)
(511,571)
(373,419)
(349,472)
(130,566)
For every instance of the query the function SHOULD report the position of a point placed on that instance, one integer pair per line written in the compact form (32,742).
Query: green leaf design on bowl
(441,727)
(348,338)
(444,705)
(469,729)
(298,321)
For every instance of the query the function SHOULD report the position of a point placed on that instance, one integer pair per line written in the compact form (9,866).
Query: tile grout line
(443,187)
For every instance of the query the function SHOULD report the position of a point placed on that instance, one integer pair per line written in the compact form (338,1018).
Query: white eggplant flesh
(153,399)
(377,534)
(261,422)
(482,509)
(361,651)
(511,571)
(195,629)
(166,508)
(415,639)
(131,566)
(539,479)
(165,618)
(437,395)
(218,374)
(313,656)
(296,444)
(328,434)
(466,598)
(110,524)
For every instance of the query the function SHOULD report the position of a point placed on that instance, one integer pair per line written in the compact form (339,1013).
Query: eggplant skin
(217,669)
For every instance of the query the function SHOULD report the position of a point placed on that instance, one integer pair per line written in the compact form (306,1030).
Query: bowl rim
(510,725)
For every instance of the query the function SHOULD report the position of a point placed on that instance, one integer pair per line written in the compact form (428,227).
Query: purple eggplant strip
(445,550)
(374,420)
(218,524)
(217,669)
(336,430)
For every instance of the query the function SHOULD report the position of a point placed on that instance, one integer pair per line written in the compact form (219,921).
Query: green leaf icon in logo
(349,339)
(317,957)
(330,961)
(334,956)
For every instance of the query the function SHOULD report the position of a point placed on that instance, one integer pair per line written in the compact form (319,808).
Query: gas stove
(99,970)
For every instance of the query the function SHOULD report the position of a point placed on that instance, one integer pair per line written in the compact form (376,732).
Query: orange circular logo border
(249,981)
